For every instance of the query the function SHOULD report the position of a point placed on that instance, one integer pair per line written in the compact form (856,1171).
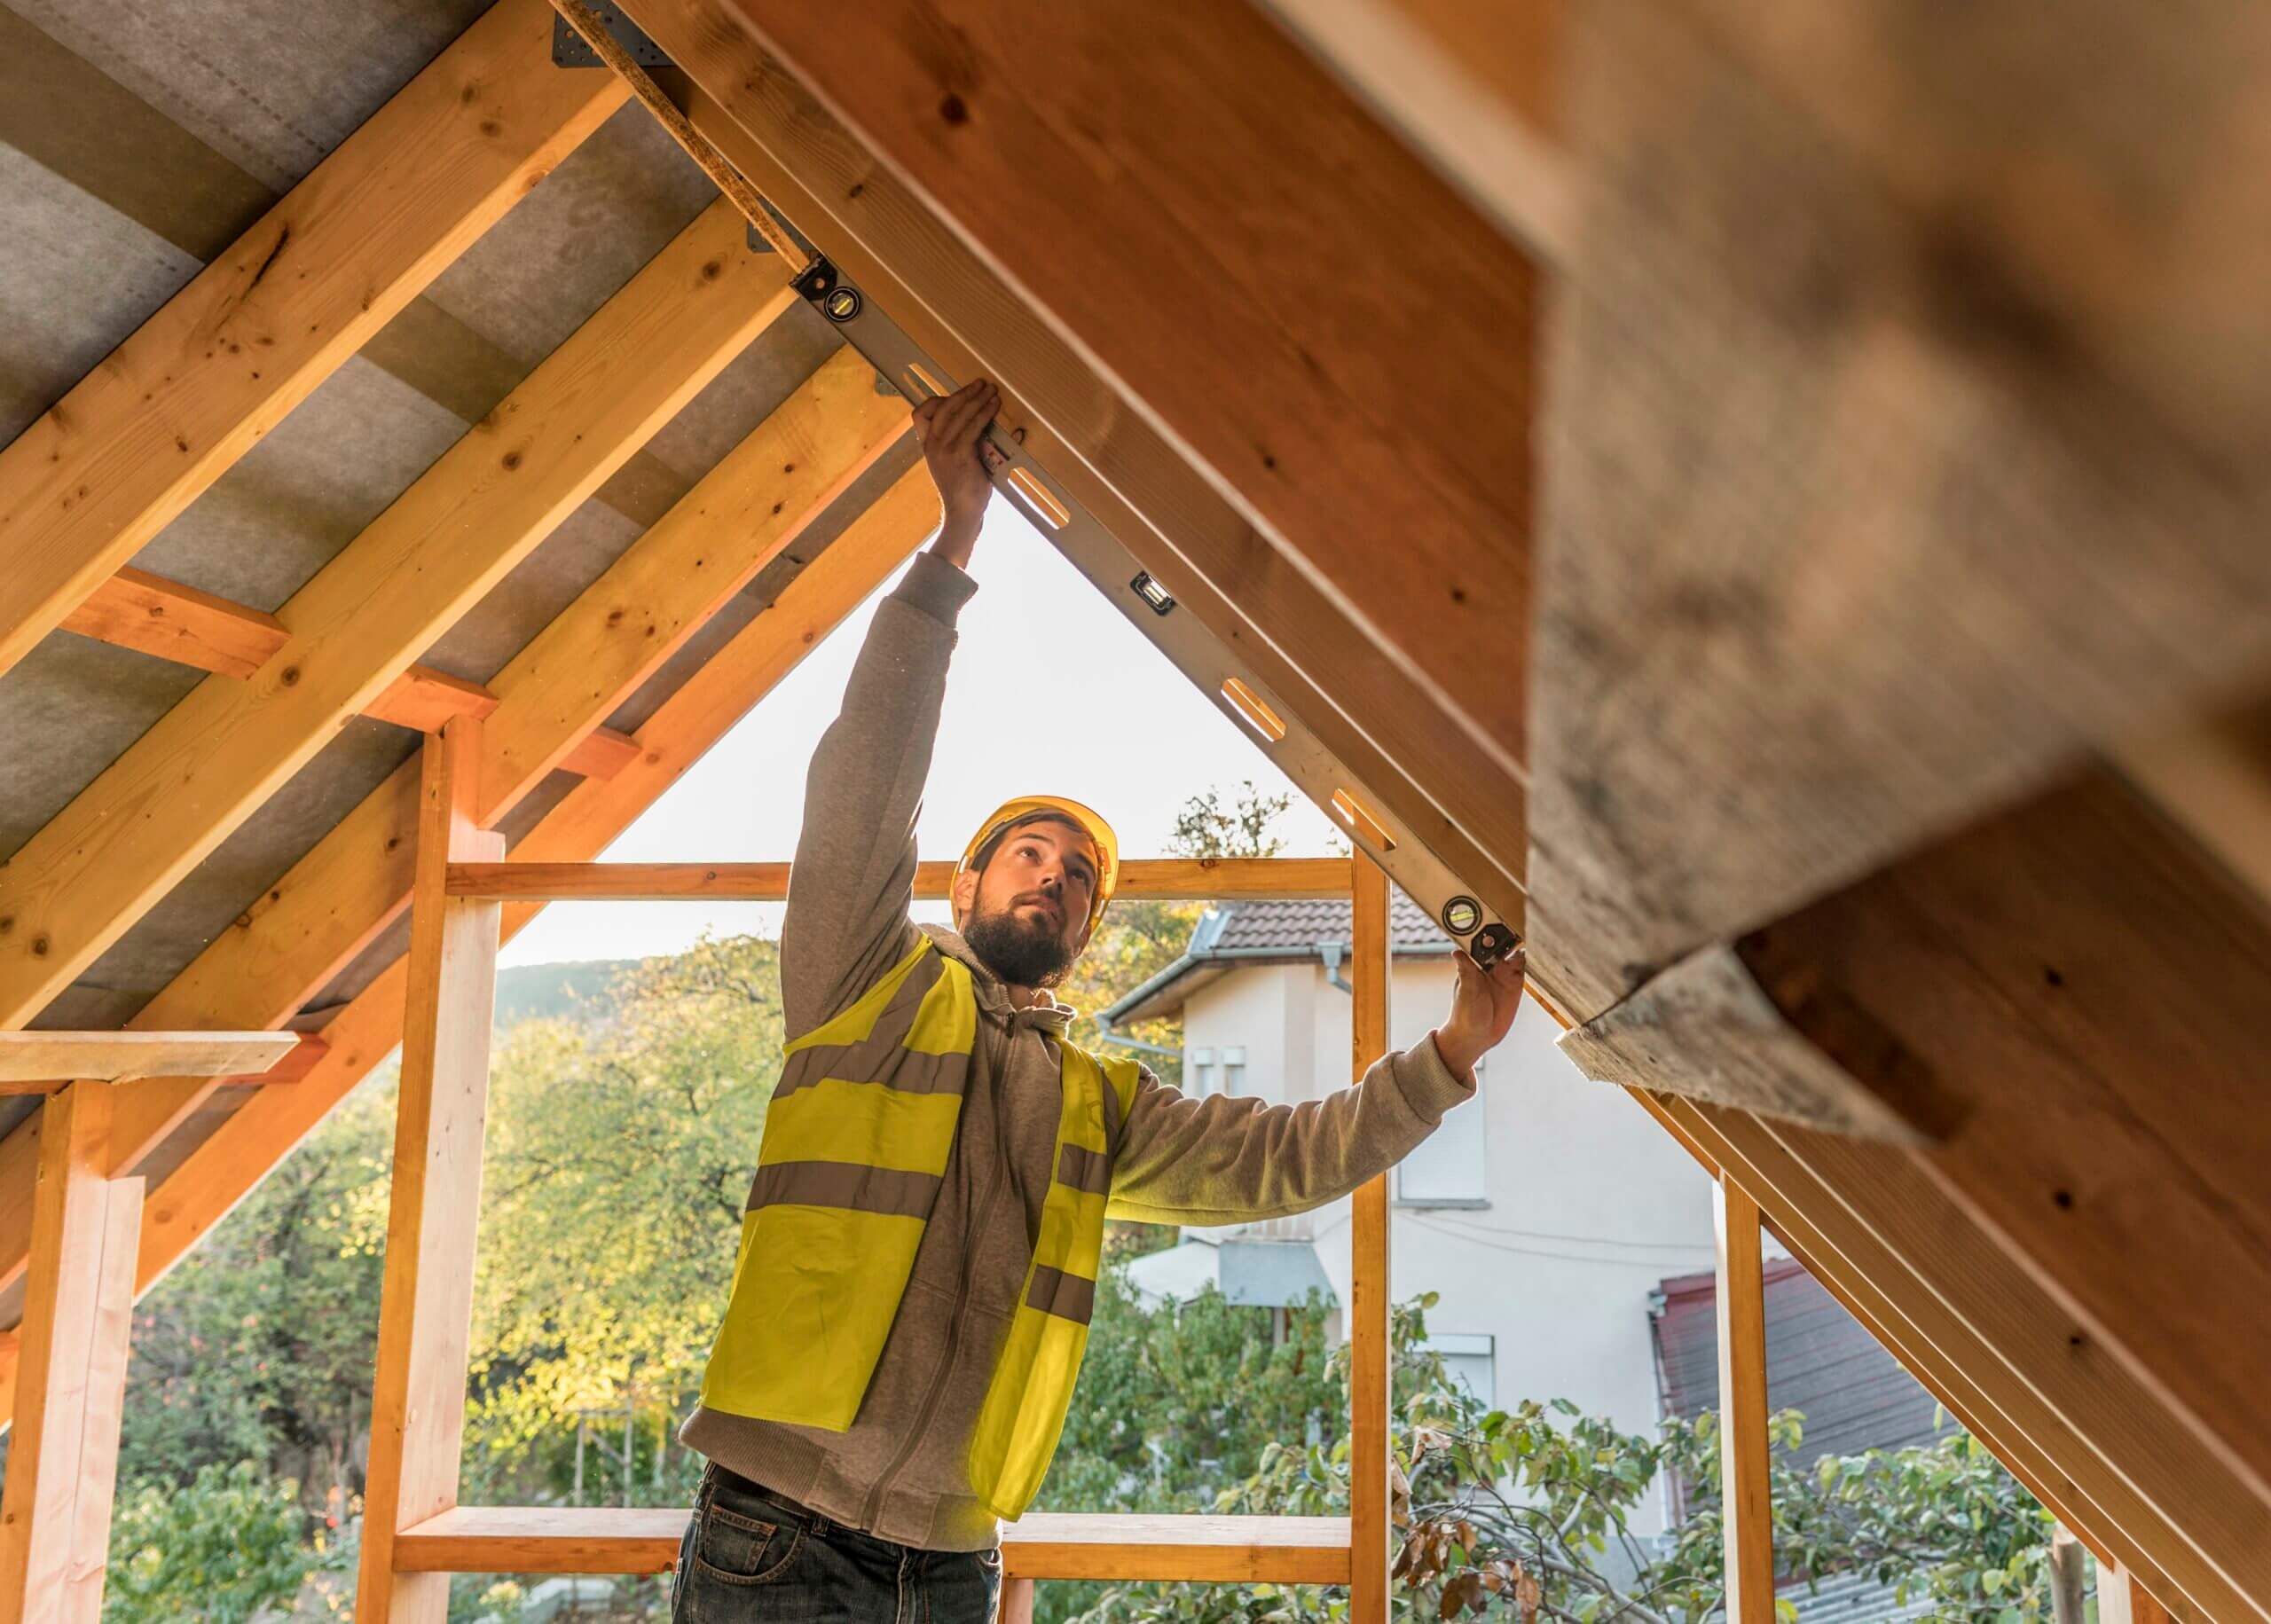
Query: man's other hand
(949,427)
(1482,1009)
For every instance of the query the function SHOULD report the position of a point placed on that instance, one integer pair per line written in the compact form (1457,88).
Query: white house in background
(1544,1212)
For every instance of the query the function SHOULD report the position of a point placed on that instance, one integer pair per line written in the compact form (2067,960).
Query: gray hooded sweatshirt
(898,1472)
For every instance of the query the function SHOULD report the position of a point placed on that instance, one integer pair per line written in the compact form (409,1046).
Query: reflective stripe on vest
(856,1140)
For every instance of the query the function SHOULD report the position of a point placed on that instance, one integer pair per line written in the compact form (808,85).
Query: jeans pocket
(743,1550)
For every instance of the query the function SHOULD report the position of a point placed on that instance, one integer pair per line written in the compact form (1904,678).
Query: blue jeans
(752,1555)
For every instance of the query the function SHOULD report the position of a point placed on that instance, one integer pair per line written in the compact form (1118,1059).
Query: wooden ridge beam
(223,360)
(342,893)
(1154,879)
(153,615)
(1308,659)
(182,787)
(237,1155)
(1039,1545)
(2098,1447)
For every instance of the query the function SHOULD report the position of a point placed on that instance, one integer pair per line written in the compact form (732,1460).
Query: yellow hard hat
(1095,828)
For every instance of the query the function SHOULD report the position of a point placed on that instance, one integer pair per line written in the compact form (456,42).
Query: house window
(1234,1071)
(1472,1361)
(1202,1071)
(1446,1169)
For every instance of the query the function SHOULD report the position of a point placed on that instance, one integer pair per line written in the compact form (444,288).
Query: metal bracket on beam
(758,245)
(569,50)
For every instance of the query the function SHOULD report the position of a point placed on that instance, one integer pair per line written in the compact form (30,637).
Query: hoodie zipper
(947,1362)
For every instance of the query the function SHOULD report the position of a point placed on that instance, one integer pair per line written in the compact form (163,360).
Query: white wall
(1588,1202)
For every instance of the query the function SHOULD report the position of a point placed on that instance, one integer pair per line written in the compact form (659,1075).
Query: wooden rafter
(217,1174)
(2102,1449)
(1470,84)
(338,896)
(184,786)
(1310,663)
(1243,240)
(2065,1000)
(225,359)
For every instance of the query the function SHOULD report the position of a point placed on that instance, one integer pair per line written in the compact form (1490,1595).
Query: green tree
(619,1164)
(230,1542)
(1527,1513)
(259,1344)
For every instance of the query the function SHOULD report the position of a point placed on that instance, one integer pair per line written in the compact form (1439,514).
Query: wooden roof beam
(2065,1002)
(332,903)
(2098,1446)
(182,787)
(252,336)
(1470,84)
(1251,236)
(1299,651)
(43,1061)
(135,609)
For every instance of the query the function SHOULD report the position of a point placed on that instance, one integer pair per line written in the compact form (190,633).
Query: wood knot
(953,109)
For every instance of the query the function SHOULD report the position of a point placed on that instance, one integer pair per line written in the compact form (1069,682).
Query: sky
(1051,691)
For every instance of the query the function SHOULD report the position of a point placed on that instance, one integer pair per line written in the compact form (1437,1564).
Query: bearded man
(919,1252)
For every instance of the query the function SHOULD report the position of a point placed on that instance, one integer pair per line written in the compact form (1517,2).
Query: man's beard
(1024,953)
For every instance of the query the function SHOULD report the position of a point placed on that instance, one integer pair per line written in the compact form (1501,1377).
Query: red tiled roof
(1299,926)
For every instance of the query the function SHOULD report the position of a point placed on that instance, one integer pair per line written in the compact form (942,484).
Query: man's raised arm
(854,872)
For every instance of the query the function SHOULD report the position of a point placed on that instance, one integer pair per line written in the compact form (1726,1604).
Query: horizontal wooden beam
(1157,879)
(1041,1545)
(50,1059)
(150,614)
(223,360)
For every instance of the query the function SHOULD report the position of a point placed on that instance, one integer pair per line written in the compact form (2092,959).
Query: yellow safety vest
(855,1146)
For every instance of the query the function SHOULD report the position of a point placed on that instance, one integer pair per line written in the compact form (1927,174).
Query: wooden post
(1016,1601)
(71,1374)
(426,1308)
(1372,1532)
(2068,1576)
(2121,1600)
(1747,1508)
